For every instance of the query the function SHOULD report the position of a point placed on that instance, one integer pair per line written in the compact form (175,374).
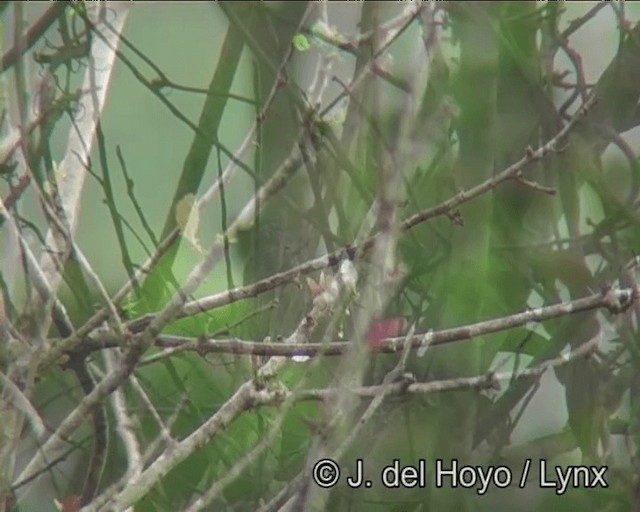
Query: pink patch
(380,330)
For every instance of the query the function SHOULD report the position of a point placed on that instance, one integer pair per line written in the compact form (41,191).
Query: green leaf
(300,42)
(525,341)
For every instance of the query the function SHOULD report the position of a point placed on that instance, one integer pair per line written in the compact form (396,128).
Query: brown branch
(577,23)
(581,88)
(328,35)
(350,251)
(138,345)
(34,33)
(383,46)
(248,397)
(234,163)
(535,185)
(488,381)
(241,400)
(615,300)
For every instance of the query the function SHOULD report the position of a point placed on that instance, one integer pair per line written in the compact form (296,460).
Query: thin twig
(34,33)
(72,176)
(478,383)
(615,300)
(350,251)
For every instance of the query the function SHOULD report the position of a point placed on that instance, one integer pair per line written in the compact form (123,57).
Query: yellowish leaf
(188,220)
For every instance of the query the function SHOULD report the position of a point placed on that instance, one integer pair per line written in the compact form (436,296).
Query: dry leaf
(188,220)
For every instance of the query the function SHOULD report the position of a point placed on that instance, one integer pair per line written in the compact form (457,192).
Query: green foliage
(395,143)
(300,42)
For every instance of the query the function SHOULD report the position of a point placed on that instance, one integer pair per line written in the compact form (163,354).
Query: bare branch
(72,176)
(34,33)
(332,259)
(614,300)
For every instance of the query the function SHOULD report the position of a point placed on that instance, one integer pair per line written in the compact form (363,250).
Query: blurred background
(437,114)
